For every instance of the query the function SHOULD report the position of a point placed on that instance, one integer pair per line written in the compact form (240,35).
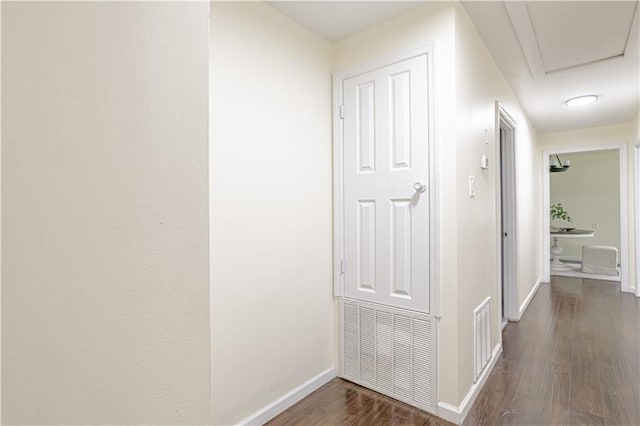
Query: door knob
(419,187)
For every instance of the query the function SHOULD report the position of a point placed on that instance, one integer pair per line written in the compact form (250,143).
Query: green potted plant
(559,213)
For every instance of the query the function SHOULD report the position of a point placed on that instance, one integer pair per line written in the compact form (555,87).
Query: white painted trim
(449,412)
(526,302)
(624,207)
(546,220)
(519,16)
(574,259)
(511,291)
(269,411)
(636,185)
(579,274)
(338,190)
(458,414)
(435,296)
(634,35)
(625,284)
(212,378)
(429,50)
(384,61)
(1,217)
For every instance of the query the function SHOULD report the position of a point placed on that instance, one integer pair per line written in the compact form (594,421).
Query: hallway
(573,359)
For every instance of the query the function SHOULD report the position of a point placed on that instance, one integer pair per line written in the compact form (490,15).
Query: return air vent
(391,351)
(482,333)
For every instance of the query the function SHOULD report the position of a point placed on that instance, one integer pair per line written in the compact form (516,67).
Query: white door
(386,191)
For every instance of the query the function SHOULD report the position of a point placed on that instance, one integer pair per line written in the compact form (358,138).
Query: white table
(556,250)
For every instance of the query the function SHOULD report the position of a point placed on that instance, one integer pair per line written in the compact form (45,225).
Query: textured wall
(104,213)
(479,84)
(271,235)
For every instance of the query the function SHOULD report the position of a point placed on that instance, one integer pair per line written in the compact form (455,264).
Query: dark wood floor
(573,359)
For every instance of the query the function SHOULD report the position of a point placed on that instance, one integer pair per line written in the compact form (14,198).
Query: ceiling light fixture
(581,100)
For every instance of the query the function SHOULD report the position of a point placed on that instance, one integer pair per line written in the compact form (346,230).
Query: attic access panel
(556,36)
(576,33)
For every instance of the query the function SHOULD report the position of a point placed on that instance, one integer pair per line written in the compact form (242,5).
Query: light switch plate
(472,186)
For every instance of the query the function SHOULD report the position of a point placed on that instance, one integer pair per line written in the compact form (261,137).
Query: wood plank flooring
(340,402)
(573,359)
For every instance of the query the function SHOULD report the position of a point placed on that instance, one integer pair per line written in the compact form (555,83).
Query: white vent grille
(423,356)
(351,341)
(367,346)
(482,333)
(384,350)
(391,351)
(402,353)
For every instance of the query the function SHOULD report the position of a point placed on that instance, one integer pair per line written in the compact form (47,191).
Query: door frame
(636,185)
(504,120)
(338,171)
(624,206)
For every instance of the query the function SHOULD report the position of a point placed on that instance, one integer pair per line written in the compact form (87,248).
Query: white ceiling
(548,51)
(335,20)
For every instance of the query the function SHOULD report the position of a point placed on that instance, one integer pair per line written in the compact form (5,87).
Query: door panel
(385,162)
(367,245)
(401,248)
(365,127)
(400,120)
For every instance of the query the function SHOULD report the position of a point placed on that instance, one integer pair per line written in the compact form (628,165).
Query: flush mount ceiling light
(581,100)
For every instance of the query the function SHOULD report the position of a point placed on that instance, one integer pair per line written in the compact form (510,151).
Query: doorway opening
(621,231)
(507,230)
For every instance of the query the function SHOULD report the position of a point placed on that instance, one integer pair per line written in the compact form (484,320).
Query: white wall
(590,192)
(479,84)
(104,213)
(271,233)
(622,134)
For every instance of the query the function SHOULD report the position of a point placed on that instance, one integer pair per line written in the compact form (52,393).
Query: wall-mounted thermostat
(484,162)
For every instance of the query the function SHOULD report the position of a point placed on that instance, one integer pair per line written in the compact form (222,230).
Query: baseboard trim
(526,302)
(449,412)
(576,259)
(458,414)
(269,411)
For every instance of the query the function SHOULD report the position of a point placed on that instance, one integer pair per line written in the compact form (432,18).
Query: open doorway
(507,237)
(586,191)
(597,205)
